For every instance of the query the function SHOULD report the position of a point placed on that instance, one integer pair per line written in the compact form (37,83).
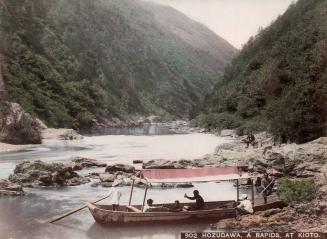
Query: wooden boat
(213,212)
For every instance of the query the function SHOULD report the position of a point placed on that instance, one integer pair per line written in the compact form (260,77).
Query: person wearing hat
(245,206)
(115,195)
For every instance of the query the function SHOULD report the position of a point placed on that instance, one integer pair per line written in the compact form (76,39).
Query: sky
(234,20)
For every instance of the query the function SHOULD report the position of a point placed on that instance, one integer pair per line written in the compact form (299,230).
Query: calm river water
(24,217)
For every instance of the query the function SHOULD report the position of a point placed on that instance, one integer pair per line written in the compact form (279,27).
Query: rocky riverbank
(71,173)
(8,188)
(295,161)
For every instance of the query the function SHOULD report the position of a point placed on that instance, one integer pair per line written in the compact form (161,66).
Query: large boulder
(9,188)
(107,177)
(38,173)
(165,164)
(79,163)
(19,127)
(120,168)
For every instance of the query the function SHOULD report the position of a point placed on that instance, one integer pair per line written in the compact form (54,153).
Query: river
(25,217)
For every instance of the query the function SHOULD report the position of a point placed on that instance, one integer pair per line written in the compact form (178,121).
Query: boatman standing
(267,186)
(115,195)
(199,202)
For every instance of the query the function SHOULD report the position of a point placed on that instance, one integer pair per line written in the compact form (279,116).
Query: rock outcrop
(293,160)
(120,168)
(10,189)
(78,163)
(167,164)
(38,173)
(309,217)
(19,127)
(300,160)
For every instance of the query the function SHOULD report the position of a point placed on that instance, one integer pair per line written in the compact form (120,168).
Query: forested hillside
(70,62)
(279,80)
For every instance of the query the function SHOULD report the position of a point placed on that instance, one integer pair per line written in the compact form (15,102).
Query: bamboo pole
(130,196)
(252,192)
(237,190)
(146,190)
(57,218)
(272,181)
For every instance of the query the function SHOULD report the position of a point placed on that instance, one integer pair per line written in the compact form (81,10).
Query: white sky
(234,20)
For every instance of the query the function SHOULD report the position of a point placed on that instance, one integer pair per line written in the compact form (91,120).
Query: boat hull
(105,216)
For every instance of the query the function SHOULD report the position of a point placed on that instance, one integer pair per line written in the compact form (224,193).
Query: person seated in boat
(115,195)
(176,207)
(244,207)
(149,207)
(199,202)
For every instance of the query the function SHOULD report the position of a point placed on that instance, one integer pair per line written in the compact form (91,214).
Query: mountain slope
(279,80)
(70,62)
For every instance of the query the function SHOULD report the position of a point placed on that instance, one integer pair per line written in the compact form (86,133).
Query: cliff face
(278,81)
(73,62)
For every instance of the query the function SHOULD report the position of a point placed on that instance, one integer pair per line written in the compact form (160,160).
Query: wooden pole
(252,192)
(146,190)
(267,186)
(57,218)
(237,190)
(130,196)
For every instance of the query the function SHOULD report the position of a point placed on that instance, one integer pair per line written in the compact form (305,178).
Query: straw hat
(244,196)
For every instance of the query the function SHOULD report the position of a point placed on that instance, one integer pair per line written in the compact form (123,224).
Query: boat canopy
(193,175)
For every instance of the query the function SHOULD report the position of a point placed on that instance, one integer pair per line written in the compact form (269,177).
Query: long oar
(57,218)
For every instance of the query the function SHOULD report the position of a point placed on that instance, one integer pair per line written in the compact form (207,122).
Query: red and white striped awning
(193,175)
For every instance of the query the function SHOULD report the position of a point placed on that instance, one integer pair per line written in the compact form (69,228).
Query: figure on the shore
(244,207)
(268,185)
(250,139)
(199,202)
(115,195)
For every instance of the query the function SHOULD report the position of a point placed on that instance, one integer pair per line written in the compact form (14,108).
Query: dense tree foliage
(279,80)
(299,191)
(70,62)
